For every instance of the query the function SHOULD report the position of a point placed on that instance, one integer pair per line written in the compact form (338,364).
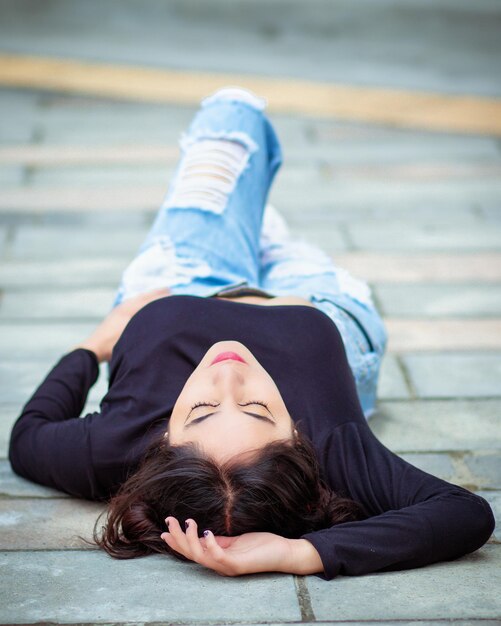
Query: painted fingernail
(186,524)
(206,533)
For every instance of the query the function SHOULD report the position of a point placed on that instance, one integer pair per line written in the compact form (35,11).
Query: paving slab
(44,243)
(47,524)
(486,469)
(409,267)
(438,425)
(330,239)
(431,591)
(17,110)
(118,198)
(374,43)
(8,415)
(473,374)
(494,499)
(3,236)
(41,341)
(295,192)
(95,122)
(11,176)
(82,272)
(114,174)
(392,383)
(357,143)
(411,334)
(426,622)
(464,300)
(56,304)
(12,485)
(437,464)
(89,586)
(19,379)
(399,235)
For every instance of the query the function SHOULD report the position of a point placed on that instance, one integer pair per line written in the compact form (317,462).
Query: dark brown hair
(276,489)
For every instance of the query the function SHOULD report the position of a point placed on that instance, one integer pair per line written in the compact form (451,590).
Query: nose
(228,375)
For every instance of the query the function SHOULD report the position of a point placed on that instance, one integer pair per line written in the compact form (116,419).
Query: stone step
(139,588)
(375,267)
(438,425)
(292,190)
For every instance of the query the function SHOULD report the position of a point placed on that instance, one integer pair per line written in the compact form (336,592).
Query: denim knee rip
(209,170)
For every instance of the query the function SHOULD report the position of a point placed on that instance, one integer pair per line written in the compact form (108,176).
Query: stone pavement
(415,213)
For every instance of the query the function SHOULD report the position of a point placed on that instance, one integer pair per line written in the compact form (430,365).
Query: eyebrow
(256,415)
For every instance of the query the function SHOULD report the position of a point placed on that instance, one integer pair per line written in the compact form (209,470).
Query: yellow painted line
(409,109)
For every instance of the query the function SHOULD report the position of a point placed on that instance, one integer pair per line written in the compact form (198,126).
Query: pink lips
(223,356)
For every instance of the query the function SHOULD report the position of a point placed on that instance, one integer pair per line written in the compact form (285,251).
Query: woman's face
(232,420)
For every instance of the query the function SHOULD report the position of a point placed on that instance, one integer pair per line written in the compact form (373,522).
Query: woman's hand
(244,554)
(105,336)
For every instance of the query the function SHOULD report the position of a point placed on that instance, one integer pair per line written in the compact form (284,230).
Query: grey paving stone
(391,381)
(82,272)
(47,524)
(60,304)
(11,176)
(439,300)
(474,374)
(494,499)
(351,143)
(60,243)
(461,622)
(41,341)
(3,236)
(486,468)
(19,379)
(329,239)
(438,425)
(374,43)
(415,236)
(334,211)
(13,485)
(437,464)
(8,415)
(17,111)
(92,122)
(136,174)
(475,579)
(89,586)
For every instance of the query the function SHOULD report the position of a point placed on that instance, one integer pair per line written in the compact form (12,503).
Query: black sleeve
(414,518)
(49,444)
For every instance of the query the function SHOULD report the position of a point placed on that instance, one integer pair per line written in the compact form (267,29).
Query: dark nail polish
(206,533)
(186,524)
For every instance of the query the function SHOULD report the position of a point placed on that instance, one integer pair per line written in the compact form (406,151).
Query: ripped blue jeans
(215,234)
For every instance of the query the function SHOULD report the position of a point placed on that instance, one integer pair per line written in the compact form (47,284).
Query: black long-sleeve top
(413,518)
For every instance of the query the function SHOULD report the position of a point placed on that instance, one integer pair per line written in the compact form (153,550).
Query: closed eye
(256,415)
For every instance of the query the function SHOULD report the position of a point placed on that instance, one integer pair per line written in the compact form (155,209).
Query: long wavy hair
(276,489)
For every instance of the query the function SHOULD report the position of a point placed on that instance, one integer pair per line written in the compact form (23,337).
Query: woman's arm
(414,518)
(47,445)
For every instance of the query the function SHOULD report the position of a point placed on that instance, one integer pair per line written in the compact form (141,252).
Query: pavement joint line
(304,600)
(376,105)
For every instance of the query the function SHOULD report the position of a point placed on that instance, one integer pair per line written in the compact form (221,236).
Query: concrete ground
(415,212)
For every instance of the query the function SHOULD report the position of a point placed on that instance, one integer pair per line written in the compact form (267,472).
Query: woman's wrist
(93,347)
(305,558)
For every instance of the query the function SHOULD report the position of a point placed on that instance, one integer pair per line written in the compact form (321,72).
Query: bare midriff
(276,301)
